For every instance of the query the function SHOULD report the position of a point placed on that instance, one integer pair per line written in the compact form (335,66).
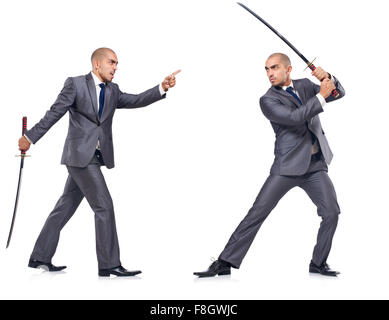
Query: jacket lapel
(280,91)
(92,92)
(300,89)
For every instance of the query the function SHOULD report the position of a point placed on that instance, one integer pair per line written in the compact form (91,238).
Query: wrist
(27,139)
(321,98)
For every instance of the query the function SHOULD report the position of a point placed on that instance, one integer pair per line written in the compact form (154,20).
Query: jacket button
(98,124)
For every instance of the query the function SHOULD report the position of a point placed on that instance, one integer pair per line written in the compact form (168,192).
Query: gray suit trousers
(85,182)
(319,188)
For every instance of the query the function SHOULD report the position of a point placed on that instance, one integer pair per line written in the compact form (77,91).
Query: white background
(188,168)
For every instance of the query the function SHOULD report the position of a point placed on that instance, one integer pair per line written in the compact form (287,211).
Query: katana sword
(310,65)
(22,155)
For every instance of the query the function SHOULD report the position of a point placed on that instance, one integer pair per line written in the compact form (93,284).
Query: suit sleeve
(280,113)
(64,101)
(338,86)
(129,101)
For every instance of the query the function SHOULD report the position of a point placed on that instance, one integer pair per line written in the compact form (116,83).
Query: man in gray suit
(91,101)
(301,157)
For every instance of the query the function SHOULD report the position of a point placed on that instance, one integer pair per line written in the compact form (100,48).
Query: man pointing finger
(91,101)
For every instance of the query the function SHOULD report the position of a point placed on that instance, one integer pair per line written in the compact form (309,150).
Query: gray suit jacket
(78,96)
(293,124)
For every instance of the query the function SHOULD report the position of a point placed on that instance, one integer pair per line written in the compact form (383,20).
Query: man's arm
(280,113)
(64,101)
(129,101)
(284,114)
(149,96)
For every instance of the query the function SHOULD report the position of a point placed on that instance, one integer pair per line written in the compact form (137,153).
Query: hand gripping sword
(310,65)
(22,155)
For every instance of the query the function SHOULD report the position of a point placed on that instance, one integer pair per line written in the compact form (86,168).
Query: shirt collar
(96,79)
(290,85)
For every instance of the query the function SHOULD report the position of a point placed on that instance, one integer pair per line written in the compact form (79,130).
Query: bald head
(100,54)
(104,64)
(283,58)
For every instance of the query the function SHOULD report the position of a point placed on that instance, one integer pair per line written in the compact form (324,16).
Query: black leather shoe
(324,269)
(118,271)
(33,263)
(218,267)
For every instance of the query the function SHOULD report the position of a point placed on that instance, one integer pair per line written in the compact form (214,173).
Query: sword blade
(16,201)
(310,65)
(22,155)
(277,33)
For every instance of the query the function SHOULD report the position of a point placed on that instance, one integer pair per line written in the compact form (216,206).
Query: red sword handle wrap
(24,129)
(334,92)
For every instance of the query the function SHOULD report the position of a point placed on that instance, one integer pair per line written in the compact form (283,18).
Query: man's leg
(92,184)
(320,189)
(272,191)
(67,204)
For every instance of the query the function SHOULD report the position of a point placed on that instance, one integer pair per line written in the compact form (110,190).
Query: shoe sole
(223,273)
(36,265)
(323,274)
(129,274)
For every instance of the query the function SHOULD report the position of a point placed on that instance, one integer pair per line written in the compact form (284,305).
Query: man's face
(277,72)
(107,66)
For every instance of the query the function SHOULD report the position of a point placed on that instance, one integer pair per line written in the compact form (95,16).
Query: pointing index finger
(176,72)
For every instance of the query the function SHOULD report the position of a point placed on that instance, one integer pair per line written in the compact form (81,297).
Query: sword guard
(22,155)
(310,65)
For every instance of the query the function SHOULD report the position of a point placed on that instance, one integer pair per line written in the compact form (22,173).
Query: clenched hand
(24,145)
(170,81)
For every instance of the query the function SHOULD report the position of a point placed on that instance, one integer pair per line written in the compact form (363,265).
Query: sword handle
(24,129)
(334,92)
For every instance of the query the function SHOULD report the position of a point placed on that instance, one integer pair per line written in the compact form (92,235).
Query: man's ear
(96,64)
(289,69)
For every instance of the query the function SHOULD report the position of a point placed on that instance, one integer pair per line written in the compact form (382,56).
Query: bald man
(91,101)
(301,157)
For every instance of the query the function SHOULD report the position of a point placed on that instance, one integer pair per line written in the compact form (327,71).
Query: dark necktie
(290,91)
(101,98)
